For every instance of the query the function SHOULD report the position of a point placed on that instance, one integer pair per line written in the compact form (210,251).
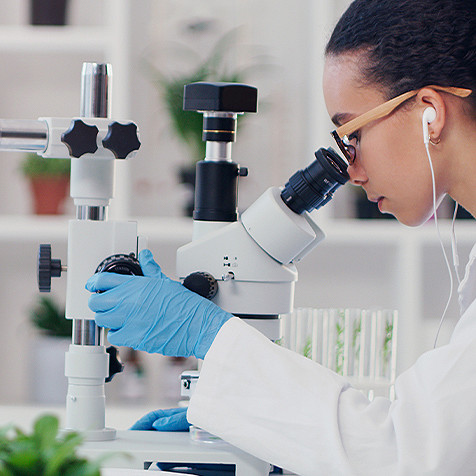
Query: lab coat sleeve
(270,402)
(292,412)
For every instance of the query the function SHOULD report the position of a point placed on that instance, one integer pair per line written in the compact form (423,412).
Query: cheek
(398,169)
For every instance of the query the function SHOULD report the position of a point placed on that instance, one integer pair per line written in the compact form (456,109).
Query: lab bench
(131,448)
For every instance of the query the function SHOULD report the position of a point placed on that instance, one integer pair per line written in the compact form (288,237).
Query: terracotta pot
(49,194)
(48,12)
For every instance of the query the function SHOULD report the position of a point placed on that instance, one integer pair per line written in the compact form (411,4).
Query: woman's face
(391,164)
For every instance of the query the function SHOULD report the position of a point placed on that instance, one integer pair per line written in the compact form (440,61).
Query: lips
(375,199)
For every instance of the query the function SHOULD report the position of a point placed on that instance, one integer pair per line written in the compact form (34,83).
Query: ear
(428,97)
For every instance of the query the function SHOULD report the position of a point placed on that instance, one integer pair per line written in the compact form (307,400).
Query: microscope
(247,264)
(93,141)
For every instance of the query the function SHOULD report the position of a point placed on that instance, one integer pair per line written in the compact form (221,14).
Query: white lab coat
(292,412)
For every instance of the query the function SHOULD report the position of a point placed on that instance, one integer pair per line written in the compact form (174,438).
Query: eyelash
(355,136)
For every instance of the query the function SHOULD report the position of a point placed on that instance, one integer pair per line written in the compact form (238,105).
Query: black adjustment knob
(80,138)
(121,139)
(121,264)
(115,364)
(47,268)
(202,283)
(227,97)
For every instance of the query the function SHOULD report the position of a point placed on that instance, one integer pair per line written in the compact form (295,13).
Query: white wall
(278,40)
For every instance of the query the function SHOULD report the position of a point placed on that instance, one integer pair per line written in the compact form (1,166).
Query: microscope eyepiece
(314,186)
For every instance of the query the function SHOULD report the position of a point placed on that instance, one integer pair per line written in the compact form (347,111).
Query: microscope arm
(253,259)
(93,141)
(64,138)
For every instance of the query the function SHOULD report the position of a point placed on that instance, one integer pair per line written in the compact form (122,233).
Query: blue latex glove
(171,419)
(154,313)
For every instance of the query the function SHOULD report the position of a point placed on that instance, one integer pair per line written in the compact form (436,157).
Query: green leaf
(188,125)
(307,350)
(65,451)
(45,431)
(35,165)
(4,471)
(82,468)
(42,452)
(47,316)
(24,462)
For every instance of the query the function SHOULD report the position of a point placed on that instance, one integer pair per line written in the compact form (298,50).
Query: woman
(278,405)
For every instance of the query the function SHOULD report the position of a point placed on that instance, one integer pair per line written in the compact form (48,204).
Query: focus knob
(115,363)
(120,264)
(47,268)
(202,283)
(80,138)
(121,139)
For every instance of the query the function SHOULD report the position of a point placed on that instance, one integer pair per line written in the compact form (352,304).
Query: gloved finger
(109,320)
(177,422)
(149,267)
(103,302)
(145,422)
(105,281)
(114,334)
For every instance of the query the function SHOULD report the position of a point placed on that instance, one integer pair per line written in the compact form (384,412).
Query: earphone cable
(442,246)
(454,245)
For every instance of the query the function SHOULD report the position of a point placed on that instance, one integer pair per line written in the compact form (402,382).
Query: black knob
(121,139)
(80,138)
(115,364)
(202,283)
(227,97)
(47,268)
(120,264)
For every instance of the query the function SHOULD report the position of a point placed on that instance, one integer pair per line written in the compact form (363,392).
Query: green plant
(386,347)
(307,349)
(34,166)
(47,316)
(43,452)
(339,343)
(188,125)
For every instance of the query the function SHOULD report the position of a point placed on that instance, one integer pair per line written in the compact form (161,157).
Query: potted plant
(43,452)
(49,182)
(49,384)
(187,125)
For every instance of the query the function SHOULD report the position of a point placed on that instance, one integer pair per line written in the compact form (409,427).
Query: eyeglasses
(341,134)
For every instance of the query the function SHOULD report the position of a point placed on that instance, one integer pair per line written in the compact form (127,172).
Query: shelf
(31,228)
(45,39)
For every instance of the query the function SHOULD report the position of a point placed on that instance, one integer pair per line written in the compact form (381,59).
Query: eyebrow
(340,118)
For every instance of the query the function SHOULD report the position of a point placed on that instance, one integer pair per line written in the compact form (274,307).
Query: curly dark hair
(411,43)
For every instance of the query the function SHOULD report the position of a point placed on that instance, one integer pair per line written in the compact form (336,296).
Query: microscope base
(137,449)
(106,434)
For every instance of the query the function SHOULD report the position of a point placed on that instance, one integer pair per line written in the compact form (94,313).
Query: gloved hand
(154,313)
(171,419)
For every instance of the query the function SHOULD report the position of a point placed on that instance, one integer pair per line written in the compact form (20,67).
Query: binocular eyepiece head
(314,186)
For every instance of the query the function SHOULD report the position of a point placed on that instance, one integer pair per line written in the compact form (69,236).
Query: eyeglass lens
(346,148)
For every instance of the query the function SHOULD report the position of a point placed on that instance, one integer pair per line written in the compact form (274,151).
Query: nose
(357,174)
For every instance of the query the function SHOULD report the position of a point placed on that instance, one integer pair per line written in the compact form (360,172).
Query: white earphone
(429,115)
